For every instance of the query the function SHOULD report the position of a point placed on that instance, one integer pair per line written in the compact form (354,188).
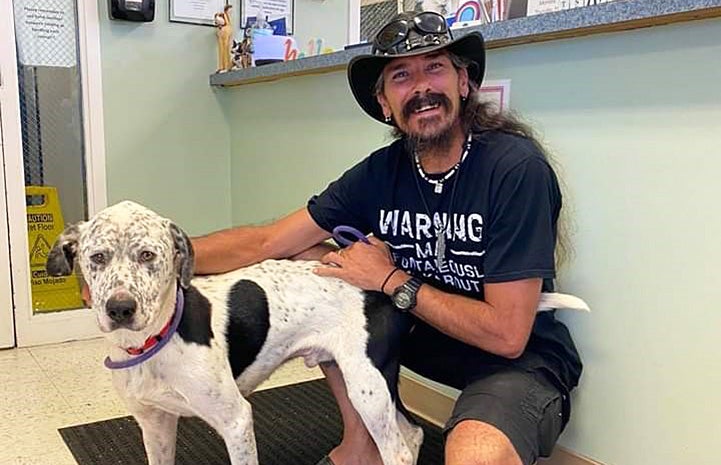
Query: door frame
(354,17)
(7,326)
(8,143)
(45,328)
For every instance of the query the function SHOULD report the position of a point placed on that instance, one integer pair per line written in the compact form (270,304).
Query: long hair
(478,116)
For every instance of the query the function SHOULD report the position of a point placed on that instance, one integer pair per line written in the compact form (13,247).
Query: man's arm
(233,248)
(501,324)
(315,252)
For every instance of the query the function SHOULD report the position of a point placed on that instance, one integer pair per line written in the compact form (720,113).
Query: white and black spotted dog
(229,333)
(195,347)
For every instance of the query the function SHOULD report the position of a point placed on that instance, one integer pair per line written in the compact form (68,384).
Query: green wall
(290,139)
(166,135)
(634,118)
(167,140)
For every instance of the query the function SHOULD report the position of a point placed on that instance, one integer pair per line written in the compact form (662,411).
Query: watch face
(403,300)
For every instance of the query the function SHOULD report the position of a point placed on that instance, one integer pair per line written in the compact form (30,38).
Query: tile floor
(49,387)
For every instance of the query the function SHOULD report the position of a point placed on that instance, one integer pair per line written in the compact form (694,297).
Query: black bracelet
(387,278)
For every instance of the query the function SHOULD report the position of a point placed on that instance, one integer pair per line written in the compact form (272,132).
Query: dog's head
(219,19)
(131,258)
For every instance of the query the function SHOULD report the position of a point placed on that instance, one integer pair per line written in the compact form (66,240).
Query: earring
(387,119)
(464,98)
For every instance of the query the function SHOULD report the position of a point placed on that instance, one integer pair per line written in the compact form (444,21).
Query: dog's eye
(98,258)
(146,256)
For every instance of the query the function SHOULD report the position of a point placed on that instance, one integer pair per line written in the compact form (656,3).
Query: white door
(53,155)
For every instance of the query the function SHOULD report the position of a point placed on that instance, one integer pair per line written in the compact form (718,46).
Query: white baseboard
(436,406)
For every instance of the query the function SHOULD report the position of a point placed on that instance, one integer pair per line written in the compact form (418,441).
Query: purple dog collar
(136,360)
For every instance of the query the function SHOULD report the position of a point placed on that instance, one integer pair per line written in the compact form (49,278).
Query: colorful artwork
(314,46)
(469,11)
(486,11)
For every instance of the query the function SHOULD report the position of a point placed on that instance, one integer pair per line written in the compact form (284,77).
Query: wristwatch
(404,296)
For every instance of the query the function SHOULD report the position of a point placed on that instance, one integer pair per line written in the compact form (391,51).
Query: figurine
(442,7)
(243,50)
(225,39)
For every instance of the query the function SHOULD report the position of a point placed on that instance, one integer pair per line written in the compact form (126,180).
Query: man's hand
(362,265)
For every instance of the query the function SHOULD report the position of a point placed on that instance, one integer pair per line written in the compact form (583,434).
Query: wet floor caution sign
(45,223)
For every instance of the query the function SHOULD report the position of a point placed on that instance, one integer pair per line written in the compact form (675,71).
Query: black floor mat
(294,425)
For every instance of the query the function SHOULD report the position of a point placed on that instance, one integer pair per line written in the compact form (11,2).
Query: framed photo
(195,11)
(497,92)
(279,13)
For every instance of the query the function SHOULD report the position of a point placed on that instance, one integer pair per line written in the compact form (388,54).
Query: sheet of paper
(273,9)
(45,32)
(197,9)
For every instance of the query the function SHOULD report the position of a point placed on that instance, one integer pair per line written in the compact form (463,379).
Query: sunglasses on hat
(395,38)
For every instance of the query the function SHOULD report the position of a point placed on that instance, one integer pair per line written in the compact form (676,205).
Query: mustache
(420,101)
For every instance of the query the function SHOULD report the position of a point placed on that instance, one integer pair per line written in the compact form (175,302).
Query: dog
(235,329)
(242,51)
(224,35)
(225,334)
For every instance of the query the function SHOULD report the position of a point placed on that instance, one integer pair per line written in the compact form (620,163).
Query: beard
(422,140)
(437,141)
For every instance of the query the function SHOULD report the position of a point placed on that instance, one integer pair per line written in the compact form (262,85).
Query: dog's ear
(61,258)
(183,255)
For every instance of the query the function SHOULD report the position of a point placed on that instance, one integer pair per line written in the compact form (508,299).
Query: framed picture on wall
(195,11)
(279,14)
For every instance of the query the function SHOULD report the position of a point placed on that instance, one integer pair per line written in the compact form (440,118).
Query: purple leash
(338,232)
(136,360)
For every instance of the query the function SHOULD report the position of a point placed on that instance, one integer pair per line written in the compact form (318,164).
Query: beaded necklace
(438,183)
(440,228)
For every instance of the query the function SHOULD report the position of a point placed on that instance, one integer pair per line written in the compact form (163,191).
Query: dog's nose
(121,310)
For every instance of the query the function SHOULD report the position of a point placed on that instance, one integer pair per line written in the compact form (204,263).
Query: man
(462,208)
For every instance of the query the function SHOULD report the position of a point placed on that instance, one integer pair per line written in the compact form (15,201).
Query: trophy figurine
(225,39)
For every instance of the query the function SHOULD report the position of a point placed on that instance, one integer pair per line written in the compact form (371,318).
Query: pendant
(440,248)
(439,188)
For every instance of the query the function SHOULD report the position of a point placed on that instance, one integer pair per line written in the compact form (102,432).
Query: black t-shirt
(499,211)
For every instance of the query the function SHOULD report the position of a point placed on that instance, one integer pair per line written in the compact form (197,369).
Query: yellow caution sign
(45,223)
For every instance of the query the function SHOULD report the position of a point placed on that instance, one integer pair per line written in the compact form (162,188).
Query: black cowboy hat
(364,70)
